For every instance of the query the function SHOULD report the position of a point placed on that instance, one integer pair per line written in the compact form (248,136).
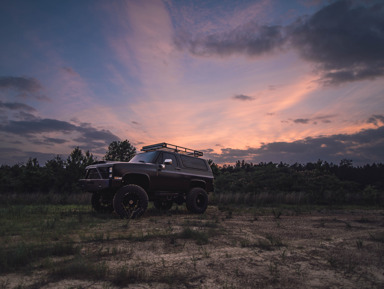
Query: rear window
(193,163)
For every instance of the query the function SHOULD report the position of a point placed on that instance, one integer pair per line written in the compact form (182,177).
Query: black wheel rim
(200,201)
(131,204)
(105,204)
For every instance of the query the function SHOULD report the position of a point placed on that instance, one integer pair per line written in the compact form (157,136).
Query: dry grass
(69,246)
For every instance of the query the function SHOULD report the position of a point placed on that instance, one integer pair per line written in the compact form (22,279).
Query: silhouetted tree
(120,151)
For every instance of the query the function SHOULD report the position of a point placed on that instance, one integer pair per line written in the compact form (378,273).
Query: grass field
(56,243)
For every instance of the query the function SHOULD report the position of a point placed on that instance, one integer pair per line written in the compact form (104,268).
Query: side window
(169,156)
(194,163)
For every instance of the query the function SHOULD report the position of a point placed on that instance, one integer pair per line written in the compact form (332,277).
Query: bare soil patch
(227,248)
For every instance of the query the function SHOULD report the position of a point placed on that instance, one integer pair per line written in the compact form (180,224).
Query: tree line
(58,175)
(316,183)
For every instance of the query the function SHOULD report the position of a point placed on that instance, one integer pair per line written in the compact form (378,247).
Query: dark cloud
(38,126)
(314,120)
(93,134)
(301,120)
(54,140)
(47,141)
(345,41)
(16,106)
(24,86)
(25,116)
(243,97)
(70,71)
(366,146)
(376,119)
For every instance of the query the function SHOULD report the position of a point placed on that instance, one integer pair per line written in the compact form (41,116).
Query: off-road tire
(130,202)
(163,205)
(101,204)
(197,200)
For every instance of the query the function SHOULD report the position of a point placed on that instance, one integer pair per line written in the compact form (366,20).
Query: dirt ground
(253,248)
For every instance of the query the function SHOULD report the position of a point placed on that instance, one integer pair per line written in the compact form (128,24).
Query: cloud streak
(243,97)
(314,120)
(16,106)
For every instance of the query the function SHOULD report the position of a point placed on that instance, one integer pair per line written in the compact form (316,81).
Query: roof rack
(170,147)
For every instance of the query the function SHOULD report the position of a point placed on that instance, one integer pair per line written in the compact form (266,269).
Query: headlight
(110,172)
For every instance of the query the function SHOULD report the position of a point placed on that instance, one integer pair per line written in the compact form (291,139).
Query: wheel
(130,202)
(101,204)
(163,205)
(197,200)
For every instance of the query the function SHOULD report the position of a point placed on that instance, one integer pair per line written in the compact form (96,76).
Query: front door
(168,178)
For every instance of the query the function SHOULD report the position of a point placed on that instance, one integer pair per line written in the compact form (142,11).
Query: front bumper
(94,185)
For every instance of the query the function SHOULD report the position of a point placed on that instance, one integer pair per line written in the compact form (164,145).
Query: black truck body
(164,174)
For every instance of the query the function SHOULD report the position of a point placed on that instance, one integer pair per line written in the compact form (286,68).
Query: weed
(364,220)
(227,286)
(172,278)
(274,271)
(50,224)
(260,243)
(359,244)
(348,226)
(229,215)
(276,214)
(201,224)
(299,270)
(24,254)
(205,252)
(201,238)
(4,284)
(275,241)
(97,237)
(80,268)
(237,272)
(378,237)
(194,261)
(283,256)
(125,276)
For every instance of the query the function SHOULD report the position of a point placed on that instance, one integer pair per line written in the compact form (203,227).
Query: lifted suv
(164,174)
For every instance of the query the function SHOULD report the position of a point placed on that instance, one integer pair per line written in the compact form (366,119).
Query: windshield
(149,157)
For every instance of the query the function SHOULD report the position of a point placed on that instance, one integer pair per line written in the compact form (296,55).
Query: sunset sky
(268,80)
